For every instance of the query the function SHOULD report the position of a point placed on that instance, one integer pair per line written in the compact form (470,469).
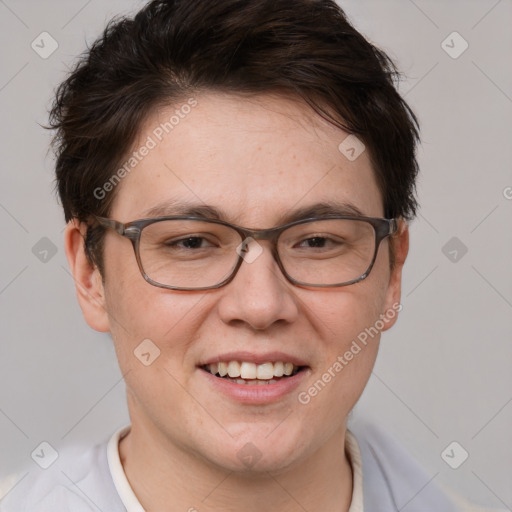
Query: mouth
(254,378)
(249,373)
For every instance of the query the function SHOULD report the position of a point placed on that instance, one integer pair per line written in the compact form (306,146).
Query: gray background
(444,371)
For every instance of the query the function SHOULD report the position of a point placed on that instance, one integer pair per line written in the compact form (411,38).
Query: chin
(256,452)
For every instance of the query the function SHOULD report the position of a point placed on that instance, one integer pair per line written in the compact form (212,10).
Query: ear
(88,283)
(400,241)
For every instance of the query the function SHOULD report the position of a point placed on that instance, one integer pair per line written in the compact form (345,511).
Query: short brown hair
(172,49)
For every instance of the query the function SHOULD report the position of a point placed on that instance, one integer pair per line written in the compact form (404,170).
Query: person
(237,179)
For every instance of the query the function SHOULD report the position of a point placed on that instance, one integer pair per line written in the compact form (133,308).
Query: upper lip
(252,357)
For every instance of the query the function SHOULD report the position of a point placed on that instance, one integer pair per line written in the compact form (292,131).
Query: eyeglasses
(194,253)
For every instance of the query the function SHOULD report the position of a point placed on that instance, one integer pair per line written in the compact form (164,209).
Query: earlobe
(88,283)
(394,291)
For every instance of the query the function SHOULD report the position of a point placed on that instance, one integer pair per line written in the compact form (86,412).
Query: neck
(164,476)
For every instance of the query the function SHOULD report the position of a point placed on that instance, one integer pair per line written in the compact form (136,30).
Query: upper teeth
(246,370)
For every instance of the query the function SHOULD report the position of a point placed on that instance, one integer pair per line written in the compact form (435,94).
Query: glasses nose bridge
(270,234)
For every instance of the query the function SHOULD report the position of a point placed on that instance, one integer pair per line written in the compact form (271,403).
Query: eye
(316,241)
(190,242)
(319,242)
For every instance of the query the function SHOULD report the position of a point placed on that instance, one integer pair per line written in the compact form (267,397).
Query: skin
(255,159)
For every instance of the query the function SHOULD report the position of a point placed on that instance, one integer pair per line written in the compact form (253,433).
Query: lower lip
(257,393)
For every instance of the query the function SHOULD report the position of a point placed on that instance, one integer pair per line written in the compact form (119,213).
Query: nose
(259,295)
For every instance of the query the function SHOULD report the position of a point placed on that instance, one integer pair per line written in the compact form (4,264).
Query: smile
(244,372)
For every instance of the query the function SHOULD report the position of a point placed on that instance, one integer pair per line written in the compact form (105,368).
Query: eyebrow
(321,209)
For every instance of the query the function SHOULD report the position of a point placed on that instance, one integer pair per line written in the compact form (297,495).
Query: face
(256,161)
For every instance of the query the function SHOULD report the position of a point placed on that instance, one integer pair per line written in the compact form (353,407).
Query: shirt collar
(124,489)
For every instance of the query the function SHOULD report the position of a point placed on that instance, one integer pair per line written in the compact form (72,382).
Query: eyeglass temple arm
(393,226)
(112,224)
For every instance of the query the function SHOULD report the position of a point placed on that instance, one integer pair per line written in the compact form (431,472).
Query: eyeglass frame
(132,230)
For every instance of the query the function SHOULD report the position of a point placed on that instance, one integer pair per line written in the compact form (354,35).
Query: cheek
(139,311)
(348,341)
(153,331)
(341,314)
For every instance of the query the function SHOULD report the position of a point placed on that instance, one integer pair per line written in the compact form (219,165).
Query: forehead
(255,158)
